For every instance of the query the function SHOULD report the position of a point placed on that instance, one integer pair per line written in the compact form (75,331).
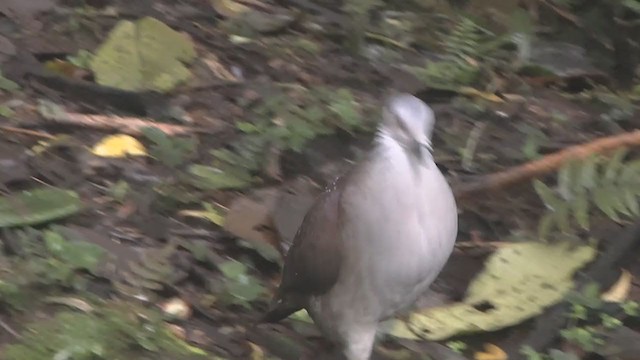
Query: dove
(376,238)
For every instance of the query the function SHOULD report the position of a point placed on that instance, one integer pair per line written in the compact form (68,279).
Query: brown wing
(313,262)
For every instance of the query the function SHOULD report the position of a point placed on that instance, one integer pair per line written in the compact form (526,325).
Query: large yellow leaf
(519,281)
(143,55)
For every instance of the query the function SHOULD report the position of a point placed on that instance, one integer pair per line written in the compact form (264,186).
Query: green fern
(465,39)
(115,330)
(462,46)
(289,122)
(610,185)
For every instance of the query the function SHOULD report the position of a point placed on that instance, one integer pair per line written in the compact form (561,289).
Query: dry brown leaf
(256,352)
(619,291)
(491,352)
(249,215)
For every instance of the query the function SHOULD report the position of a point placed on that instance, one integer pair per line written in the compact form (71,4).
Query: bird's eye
(402,125)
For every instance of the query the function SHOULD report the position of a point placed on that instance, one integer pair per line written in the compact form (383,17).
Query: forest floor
(213,250)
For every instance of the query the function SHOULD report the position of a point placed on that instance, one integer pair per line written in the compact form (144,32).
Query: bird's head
(409,121)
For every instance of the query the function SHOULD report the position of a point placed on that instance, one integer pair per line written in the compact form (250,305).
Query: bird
(376,238)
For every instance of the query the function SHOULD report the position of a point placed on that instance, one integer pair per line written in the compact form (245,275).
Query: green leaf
(545,225)
(55,243)
(632,202)
(212,178)
(556,354)
(6,111)
(7,85)
(566,179)
(546,194)
(233,269)
(168,150)
(581,210)
(266,250)
(589,172)
(614,165)
(143,55)
(74,255)
(245,292)
(602,199)
(562,218)
(37,206)
(618,200)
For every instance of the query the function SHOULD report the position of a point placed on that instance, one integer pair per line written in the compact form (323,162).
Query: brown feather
(312,264)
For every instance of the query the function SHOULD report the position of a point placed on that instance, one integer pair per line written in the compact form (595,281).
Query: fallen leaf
(120,145)
(294,200)
(143,55)
(469,91)
(619,292)
(6,84)
(6,111)
(215,215)
(229,8)
(491,352)
(176,308)
(37,206)
(519,281)
(217,68)
(256,352)
(212,178)
(249,218)
(65,68)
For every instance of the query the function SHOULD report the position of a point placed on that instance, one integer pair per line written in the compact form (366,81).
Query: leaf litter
(224,267)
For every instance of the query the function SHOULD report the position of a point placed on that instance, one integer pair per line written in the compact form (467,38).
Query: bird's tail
(281,308)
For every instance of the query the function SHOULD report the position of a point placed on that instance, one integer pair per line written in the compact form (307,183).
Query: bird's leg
(359,343)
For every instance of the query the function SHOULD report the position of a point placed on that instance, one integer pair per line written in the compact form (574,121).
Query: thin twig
(128,125)
(10,330)
(545,165)
(26,132)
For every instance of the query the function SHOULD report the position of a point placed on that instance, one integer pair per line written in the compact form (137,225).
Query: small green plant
(611,185)
(150,273)
(359,12)
(535,138)
(6,84)
(631,308)
(289,123)
(583,329)
(45,261)
(587,337)
(50,259)
(171,151)
(82,59)
(119,191)
(457,346)
(554,354)
(113,331)
(458,67)
(239,288)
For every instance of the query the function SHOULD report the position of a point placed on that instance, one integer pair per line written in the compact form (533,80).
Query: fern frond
(609,185)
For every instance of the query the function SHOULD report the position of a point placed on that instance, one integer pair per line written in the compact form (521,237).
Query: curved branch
(547,164)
